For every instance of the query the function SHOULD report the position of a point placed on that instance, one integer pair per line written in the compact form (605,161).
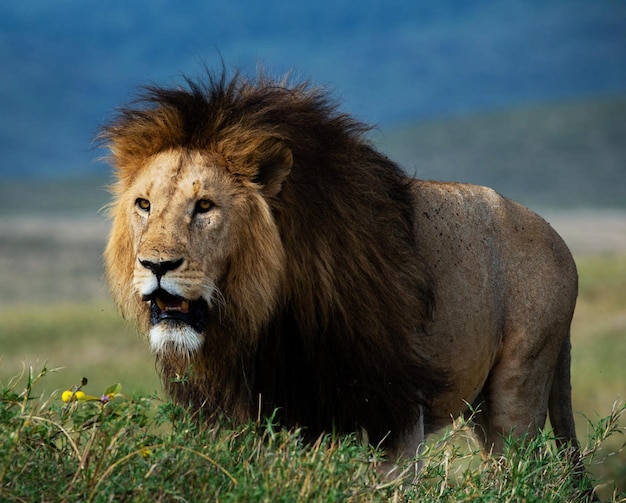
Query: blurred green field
(599,353)
(83,340)
(90,339)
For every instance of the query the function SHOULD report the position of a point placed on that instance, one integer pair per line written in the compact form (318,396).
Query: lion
(279,264)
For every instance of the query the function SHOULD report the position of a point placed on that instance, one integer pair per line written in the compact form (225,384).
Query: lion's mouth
(167,307)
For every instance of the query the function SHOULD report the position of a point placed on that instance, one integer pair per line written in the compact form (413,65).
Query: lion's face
(204,250)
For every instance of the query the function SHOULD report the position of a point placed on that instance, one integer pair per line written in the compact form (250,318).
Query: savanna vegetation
(113,447)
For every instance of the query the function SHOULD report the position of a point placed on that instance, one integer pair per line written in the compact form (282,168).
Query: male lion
(278,262)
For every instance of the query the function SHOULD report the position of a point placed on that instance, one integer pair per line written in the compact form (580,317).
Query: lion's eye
(203,205)
(142,204)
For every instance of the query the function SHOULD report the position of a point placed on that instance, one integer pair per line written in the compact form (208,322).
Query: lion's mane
(341,349)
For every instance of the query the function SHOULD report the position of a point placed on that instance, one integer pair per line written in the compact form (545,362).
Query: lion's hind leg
(515,397)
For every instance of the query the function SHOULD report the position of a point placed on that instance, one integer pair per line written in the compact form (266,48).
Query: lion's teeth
(173,305)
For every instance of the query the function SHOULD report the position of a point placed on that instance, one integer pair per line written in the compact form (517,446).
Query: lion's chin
(175,337)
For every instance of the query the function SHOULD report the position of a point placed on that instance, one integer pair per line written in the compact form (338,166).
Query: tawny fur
(346,296)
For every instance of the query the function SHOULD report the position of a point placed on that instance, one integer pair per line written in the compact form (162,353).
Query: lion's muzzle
(177,324)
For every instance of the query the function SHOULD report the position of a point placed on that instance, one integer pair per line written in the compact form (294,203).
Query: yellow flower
(71,395)
(76,394)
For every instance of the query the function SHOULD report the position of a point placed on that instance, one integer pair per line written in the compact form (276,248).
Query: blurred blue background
(66,64)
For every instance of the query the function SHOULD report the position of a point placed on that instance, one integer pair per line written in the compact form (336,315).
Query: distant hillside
(562,155)
(84,197)
(566,155)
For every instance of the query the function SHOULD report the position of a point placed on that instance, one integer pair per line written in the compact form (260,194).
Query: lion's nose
(160,268)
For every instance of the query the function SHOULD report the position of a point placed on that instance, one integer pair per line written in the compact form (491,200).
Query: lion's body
(505,296)
(277,261)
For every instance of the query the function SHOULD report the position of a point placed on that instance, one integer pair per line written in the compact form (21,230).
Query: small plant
(112,447)
(76,393)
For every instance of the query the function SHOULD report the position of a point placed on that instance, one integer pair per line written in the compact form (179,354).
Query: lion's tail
(560,408)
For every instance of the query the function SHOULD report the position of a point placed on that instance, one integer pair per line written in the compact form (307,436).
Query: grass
(141,449)
(89,339)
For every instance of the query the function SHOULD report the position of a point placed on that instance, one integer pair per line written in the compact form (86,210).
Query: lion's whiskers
(215,297)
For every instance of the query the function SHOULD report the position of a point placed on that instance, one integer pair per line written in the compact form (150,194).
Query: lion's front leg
(408,447)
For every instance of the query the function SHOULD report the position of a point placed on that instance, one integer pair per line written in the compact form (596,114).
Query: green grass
(91,340)
(140,449)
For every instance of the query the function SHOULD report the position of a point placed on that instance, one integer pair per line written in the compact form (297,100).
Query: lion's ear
(274,162)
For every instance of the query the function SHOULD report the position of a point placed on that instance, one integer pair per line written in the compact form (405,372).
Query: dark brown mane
(342,351)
